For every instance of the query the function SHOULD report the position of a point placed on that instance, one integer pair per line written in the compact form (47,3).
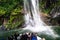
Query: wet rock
(55,16)
(2,28)
(45,18)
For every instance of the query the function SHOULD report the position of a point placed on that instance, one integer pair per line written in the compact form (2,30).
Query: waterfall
(33,19)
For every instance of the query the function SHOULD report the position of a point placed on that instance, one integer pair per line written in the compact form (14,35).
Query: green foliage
(14,24)
(7,5)
(8,10)
(17,10)
(47,6)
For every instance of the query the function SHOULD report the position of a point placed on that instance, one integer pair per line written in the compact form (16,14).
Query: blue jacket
(33,38)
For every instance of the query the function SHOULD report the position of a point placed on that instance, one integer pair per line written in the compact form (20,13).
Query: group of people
(28,36)
(24,36)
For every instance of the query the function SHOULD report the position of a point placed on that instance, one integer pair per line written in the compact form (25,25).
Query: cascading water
(33,19)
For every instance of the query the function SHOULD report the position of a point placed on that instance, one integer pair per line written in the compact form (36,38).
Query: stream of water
(33,19)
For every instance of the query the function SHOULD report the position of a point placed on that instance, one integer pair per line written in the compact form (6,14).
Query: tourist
(15,36)
(29,36)
(39,38)
(18,38)
(10,38)
(33,36)
(24,37)
(43,38)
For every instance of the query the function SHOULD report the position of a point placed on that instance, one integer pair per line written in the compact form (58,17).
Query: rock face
(44,18)
(55,16)
(2,28)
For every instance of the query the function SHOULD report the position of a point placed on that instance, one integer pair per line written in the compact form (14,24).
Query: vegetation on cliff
(10,13)
(52,9)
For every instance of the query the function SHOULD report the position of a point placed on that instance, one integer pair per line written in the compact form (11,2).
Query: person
(29,36)
(39,38)
(33,36)
(15,36)
(43,38)
(24,37)
(10,38)
(18,38)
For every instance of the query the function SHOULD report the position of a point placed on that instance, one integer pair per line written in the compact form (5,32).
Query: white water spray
(33,19)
